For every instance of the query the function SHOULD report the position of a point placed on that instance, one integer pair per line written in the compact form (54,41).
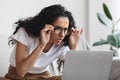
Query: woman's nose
(62,33)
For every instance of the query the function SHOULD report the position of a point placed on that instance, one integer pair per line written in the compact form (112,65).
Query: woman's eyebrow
(60,27)
(57,26)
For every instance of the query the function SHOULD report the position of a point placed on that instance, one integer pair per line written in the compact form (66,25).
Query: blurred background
(84,13)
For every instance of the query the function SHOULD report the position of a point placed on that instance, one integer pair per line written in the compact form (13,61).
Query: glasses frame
(58,30)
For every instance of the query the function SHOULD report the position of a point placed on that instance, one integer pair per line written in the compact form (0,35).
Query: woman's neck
(47,47)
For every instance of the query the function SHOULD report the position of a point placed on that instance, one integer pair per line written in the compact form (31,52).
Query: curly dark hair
(48,15)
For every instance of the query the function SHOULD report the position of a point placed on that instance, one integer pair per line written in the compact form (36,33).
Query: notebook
(87,65)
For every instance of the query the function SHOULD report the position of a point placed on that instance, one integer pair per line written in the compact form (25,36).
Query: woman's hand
(74,38)
(45,34)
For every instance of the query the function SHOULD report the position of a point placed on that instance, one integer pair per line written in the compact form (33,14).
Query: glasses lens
(65,30)
(58,30)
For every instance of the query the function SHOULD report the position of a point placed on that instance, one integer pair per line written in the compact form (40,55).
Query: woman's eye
(57,28)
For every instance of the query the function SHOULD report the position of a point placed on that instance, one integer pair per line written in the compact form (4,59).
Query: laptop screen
(87,65)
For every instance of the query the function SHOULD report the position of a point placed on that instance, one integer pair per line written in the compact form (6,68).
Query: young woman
(39,40)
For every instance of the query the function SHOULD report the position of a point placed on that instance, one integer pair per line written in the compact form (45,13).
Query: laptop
(87,65)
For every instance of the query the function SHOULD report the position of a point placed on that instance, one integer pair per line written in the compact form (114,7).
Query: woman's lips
(59,40)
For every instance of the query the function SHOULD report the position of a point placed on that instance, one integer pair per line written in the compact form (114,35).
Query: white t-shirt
(44,59)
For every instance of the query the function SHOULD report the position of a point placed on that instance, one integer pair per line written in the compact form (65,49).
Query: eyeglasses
(58,30)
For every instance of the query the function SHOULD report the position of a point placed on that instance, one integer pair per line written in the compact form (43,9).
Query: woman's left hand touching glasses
(74,38)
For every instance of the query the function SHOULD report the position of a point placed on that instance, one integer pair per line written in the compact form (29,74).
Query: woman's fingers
(79,31)
(48,27)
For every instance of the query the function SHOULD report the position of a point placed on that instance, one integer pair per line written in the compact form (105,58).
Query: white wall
(13,10)
(4,54)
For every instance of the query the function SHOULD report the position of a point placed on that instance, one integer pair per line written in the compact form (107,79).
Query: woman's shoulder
(21,36)
(22,30)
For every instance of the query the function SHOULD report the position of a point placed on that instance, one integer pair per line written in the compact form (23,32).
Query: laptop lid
(87,65)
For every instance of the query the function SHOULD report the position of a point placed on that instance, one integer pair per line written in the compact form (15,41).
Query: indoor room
(97,21)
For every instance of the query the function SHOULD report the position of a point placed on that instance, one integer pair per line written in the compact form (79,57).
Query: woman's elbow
(20,73)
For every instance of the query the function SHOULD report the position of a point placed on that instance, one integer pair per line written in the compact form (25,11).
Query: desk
(115,69)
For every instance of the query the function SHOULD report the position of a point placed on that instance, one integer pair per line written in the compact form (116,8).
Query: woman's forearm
(27,63)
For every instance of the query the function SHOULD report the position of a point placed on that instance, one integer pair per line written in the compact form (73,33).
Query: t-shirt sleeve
(21,36)
(62,56)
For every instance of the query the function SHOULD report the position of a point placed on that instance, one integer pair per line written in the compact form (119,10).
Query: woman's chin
(58,43)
